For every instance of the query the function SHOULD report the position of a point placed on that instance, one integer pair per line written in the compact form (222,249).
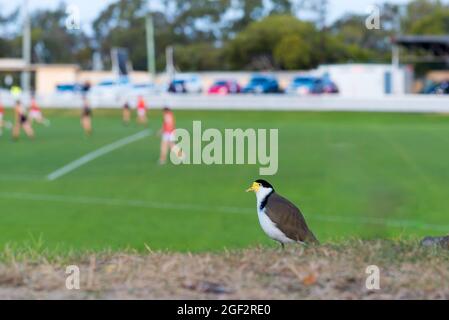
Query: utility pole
(169,61)
(26,48)
(395,55)
(395,51)
(151,55)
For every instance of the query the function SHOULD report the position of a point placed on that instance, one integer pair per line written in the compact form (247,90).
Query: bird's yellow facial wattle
(255,187)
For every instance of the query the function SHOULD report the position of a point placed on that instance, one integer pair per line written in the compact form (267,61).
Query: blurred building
(11,65)
(352,80)
(47,76)
(369,80)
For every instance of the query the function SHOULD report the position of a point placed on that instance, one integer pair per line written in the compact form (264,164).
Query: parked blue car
(262,84)
(436,88)
(304,85)
(69,87)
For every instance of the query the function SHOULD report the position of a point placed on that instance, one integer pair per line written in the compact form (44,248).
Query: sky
(89,9)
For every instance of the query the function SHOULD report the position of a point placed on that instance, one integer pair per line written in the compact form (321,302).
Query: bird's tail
(311,239)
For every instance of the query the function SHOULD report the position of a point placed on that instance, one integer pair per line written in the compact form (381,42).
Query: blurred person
(141,111)
(86,117)
(35,113)
(168,136)
(21,122)
(85,88)
(2,121)
(126,113)
(16,92)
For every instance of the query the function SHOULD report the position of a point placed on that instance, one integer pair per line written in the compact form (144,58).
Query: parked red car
(225,87)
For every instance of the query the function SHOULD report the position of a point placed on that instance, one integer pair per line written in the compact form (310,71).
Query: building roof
(18,65)
(436,45)
(11,64)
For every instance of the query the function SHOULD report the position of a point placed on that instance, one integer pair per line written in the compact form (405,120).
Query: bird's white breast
(270,228)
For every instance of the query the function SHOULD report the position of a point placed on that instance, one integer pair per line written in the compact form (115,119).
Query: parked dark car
(329,86)
(177,86)
(186,83)
(262,84)
(429,87)
(224,87)
(306,84)
(437,88)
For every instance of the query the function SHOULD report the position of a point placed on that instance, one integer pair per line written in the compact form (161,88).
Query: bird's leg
(282,246)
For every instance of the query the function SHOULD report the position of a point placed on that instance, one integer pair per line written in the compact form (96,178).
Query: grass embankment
(330,271)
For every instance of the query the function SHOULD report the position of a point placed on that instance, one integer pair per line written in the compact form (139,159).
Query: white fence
(387,103)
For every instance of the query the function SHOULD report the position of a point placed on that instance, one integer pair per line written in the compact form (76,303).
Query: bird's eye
(260,184)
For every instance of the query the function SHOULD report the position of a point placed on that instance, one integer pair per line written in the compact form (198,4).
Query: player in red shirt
(36,113)
(168,136)
(141,111)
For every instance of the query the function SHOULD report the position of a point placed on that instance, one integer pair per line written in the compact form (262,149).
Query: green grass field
(353,175)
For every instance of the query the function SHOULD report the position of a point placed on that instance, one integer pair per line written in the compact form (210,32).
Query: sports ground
(364,175)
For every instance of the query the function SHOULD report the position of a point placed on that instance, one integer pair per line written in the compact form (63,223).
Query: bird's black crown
(264,183)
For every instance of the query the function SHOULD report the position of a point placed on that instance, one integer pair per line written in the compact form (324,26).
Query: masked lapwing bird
(280,219)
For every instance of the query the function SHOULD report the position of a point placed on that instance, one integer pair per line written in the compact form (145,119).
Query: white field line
(96,154)
(394,223)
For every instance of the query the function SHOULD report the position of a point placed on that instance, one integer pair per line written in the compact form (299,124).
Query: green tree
(183,23)
(418,11)
(198,20)
(251,10)
(254,47)
(363,44)
(199,57)
(9,46)
(292,52)
(52,42)
(122,24)
(281,7)
(434,23)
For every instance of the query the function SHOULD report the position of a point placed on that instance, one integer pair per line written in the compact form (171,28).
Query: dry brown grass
(324,272)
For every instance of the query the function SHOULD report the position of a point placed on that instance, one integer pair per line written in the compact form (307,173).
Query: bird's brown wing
(289,219)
